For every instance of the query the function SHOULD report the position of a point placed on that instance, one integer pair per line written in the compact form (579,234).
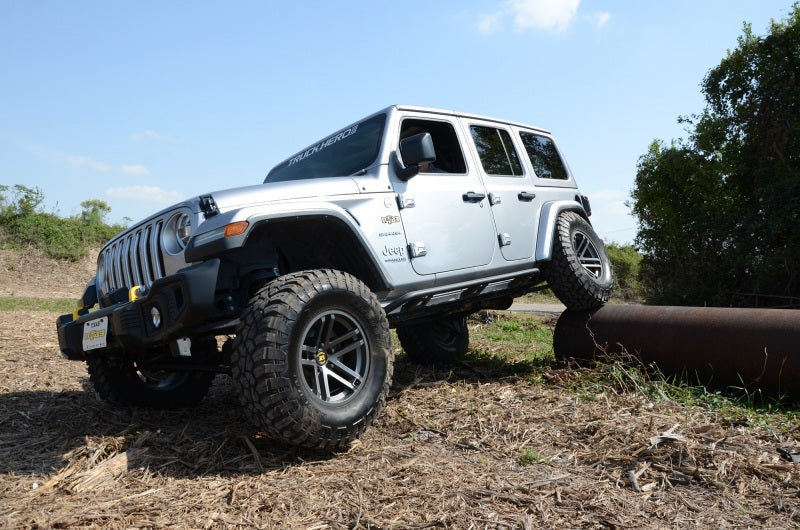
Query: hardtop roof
(432,110)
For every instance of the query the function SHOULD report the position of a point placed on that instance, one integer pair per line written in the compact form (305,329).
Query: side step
(466,297)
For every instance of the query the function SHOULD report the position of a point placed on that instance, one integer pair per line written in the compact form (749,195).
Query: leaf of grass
(20,303)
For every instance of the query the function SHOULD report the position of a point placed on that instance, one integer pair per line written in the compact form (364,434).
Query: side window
(497,153)
(449,157)
(544,156)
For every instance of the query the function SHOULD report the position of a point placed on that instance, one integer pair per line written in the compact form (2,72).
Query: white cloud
(612,200)
(599,19)
(145,194)
(612,220)
(489,23)
(88,162)
(135,169)
(85,161)
(538,15)
(145,135)
(548,15)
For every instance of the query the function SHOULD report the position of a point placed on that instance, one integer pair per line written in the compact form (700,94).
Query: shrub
(626,261)
(22,224)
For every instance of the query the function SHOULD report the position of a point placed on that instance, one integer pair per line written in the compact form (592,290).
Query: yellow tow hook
(133,293)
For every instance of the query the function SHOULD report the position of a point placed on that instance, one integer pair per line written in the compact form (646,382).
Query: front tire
(312,359)
(436,342)
(579,272)
(120,380)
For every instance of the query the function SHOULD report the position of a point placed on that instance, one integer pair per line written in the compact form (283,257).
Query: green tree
(719,214)
(26,200)
(94,211)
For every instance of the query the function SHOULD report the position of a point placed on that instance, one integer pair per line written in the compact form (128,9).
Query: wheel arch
(547,225)
(318,241)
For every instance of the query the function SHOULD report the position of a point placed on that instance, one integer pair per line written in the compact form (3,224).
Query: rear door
(510,186)
(444,209)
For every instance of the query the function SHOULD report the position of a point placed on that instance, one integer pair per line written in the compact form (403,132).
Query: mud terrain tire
(312,359)
(436,342)
(580,272)
(118,379)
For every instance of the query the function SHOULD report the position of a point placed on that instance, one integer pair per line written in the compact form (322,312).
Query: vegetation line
(22,223)
(25,303)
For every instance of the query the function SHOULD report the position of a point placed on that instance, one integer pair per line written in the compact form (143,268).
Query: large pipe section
(719,347)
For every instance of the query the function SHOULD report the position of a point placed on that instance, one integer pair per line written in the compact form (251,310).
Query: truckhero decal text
(324,143)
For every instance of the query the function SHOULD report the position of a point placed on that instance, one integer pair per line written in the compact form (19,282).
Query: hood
(283,191)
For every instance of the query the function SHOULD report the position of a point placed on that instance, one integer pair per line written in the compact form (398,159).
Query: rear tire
(312,359)
(579,272)
(436,342)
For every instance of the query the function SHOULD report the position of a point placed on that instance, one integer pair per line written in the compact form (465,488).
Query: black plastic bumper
(182,300)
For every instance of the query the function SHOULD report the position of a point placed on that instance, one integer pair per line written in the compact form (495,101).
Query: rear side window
(497,153)
(546,162)
(344,153)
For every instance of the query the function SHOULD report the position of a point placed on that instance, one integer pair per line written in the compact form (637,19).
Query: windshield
(344,153)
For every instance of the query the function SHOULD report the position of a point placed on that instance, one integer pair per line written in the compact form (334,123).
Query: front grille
(134,259)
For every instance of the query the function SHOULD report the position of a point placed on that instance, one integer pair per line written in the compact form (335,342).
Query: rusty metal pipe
(718,347)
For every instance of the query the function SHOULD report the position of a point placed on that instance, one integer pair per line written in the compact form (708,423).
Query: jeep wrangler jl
(411,218)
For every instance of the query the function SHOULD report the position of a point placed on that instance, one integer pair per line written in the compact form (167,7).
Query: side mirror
(415,150)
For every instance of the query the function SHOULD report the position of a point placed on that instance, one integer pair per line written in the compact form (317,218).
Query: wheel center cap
(322,357)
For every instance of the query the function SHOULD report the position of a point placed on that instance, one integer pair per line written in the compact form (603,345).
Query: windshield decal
(323,144)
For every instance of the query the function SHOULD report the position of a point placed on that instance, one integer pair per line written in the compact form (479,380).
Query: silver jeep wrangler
(411,218)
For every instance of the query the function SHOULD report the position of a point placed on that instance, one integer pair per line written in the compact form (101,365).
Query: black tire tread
(420,344)
(260,367)
(570,283)
(115,380)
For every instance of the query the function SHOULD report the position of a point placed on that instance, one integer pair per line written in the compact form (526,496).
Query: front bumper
(183,300)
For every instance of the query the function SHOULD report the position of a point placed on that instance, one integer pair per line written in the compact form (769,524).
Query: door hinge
(495,198)
(417,250)
(405,202)
(504,239)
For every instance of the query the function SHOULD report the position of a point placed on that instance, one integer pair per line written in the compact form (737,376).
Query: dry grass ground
(500,440)
(32,274)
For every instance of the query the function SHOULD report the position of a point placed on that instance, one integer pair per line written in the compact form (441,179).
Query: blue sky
(142,104)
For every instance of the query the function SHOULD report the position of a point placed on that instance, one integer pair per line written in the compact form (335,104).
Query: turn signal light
(235,229)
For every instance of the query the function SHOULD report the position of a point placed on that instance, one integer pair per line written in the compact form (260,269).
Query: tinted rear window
(344,153)
(496,151)
(546,162)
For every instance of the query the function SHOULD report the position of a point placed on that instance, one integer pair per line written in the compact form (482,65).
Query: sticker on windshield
(324,143)
(95,333)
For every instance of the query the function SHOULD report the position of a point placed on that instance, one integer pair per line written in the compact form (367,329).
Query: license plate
(95,333)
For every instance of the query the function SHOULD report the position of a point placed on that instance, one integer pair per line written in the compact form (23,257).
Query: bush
(22,224)
(626,261)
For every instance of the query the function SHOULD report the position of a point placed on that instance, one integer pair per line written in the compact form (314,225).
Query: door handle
(471,196)
(525,196)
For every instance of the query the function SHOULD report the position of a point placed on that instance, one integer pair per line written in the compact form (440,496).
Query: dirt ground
(480,444)
(31,274)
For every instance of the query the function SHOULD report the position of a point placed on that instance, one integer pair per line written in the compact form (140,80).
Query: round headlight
(177,232)
(183,229)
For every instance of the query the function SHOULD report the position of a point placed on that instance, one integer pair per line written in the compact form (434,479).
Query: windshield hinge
(208,206)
